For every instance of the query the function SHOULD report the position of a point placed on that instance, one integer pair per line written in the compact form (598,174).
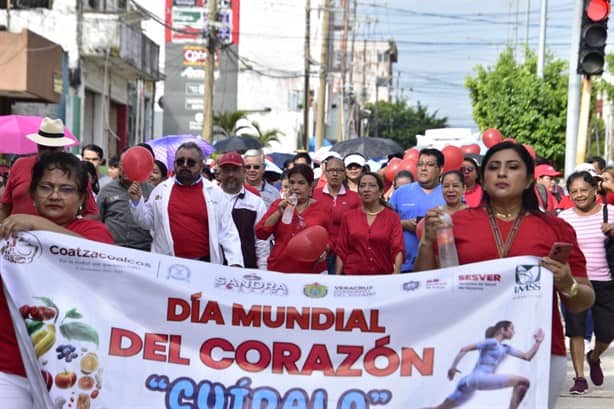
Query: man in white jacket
(187,214)
(247,210)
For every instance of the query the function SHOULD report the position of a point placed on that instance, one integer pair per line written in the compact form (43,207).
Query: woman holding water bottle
(508,224)
(302,211)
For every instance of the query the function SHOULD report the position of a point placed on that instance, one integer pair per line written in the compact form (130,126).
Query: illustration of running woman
(483,377)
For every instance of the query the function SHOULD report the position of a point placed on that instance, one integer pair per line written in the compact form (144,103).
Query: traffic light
(593,36)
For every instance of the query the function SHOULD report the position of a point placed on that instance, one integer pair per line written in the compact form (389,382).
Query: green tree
(511,98)
(401,122)
(225,123)
(264,137)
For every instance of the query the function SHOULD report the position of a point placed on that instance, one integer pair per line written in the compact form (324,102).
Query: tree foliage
(401,122)
(225,123)
(511,98)
(265,137)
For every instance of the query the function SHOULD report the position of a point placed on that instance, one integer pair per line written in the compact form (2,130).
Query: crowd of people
(501,205)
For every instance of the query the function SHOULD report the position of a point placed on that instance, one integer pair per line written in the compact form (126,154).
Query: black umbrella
(237,143)
(372,148)
(279,158)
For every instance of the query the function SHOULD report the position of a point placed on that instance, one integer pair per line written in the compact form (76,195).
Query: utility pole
(585,108)
(207,133)
(526,25)
(341,134)
(352,108)
(541,50)
(305,141)
(573,94)
(8,15)
(516,26)
(320,123)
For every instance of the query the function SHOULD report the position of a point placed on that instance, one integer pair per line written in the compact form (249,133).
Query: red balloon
(308,245)
(530,149)
(472,148)
(392,169)
(409,165)
(411,154)
(137,164)
(491,137)
(453,158)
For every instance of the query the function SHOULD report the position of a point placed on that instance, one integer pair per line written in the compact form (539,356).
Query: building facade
(107,71)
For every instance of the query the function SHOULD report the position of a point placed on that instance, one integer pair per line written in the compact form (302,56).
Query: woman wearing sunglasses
(471,173)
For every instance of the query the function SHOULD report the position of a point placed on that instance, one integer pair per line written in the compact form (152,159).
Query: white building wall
(272,41)
(58,25)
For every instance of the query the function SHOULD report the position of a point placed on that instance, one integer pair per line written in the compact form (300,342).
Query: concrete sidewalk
(597,397)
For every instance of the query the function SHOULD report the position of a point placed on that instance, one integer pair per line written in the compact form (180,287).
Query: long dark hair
(529,198)
(492,331)
(91,170)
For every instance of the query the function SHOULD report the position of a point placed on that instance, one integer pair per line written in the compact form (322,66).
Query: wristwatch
(572,291)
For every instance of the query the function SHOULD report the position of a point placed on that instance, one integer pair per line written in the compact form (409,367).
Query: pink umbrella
(13,131)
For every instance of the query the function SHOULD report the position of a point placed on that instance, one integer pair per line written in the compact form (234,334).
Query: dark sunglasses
(467,169)
(185,161)
(256,167)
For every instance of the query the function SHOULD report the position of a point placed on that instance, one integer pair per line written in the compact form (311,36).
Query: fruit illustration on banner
(46,325)
(65,379)
(43,340)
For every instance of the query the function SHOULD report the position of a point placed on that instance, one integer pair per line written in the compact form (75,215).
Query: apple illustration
(65,379)
(47,378)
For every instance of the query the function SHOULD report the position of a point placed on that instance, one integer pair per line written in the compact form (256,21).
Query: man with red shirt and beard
(188,214)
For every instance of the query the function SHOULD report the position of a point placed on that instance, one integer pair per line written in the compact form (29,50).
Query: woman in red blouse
(510,224)
(370,240)
(58,190)
(308,212)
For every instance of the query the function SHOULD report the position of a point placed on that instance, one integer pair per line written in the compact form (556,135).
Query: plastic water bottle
(286,217)
(448,256)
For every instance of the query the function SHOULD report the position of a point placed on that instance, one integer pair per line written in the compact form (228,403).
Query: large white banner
(117,328)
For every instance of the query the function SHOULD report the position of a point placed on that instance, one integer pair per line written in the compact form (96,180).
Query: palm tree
(264,137)
(224,124)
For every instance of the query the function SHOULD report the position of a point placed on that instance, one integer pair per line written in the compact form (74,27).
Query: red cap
(230,158)
(546,170)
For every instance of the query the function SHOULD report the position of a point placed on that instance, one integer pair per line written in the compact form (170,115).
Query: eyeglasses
(185,162)
(335,170)
(353,166)
(426,164)
(47,189)
(467,169)
(255,167)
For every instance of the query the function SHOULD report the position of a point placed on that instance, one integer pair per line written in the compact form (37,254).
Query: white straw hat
(50,133)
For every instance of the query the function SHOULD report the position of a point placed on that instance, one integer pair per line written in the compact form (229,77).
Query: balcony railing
(125,45)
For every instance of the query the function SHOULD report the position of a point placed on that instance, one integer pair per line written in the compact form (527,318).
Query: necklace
(504,215)
(372,213)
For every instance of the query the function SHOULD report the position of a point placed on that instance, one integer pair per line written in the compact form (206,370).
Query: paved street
(601,397)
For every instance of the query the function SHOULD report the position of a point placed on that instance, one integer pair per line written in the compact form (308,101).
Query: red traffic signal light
(593,36)
(597,10)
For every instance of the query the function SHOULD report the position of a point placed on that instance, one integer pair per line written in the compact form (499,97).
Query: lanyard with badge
(503,248)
